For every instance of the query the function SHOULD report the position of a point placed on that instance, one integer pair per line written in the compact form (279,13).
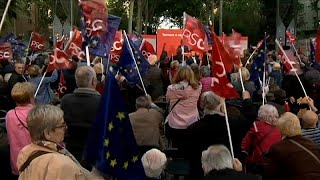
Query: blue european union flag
(113,25)
(18,47)
(136,39)
(112,146)
(127,66)
(208,33)
(256,70)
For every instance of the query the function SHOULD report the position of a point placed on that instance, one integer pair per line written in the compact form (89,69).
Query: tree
(315,7)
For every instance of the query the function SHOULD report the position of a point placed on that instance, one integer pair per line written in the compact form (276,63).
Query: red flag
(60,42)
(291,38)
(318,47)
(220,83)
(62,85)
(37,42)
(287,63)
(194,35)
(73,48)
(233,46)
(58,60)
(147,49)
(116,48)
(5,52)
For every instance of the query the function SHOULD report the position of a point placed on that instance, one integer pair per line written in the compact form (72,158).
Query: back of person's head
(142,102)
(309,119)
(174,64)
(216,157)
(86,77)
(268,114)
(289,125)
(205,71)
(196,70)
(276,66)
(245,74)
(22,93)
(152,59)
(34,70)
(209,101)
(153,162)
(185,73)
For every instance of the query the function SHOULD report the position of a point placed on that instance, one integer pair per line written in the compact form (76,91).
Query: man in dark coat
(193,59)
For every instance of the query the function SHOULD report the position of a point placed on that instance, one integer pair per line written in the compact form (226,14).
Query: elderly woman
(153,162)
(182,97)
(248,85)
(206,79)
(295,157)
(45,94)
(16,121)
(262,135)
(45,158)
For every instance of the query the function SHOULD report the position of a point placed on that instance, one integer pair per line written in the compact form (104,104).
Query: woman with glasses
(46,157)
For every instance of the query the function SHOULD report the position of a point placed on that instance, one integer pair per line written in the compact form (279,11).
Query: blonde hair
(289,125)
(22,93)
(185,73)
(245,74)
(174,64)
(34,70)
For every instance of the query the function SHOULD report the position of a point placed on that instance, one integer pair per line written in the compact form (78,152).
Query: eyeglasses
(64,125)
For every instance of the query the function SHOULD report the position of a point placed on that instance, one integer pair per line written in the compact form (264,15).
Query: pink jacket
(206,84)
(185,112)
(18,135)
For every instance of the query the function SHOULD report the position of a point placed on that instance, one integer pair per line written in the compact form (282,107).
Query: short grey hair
(268,114)
(209,100)
(153,162)
(205,71)
(41,118)
(84,76)
(216,157)
(142,102)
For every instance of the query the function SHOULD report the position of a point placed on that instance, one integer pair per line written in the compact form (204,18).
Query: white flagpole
(241,80)
(4,14)
(228,128)
(44,74)
(248,60)
(87,55)
(144,88)
(264,69)
(295,50)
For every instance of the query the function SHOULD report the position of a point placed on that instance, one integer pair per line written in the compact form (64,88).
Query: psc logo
(4,55)
(36,45)
(194,39)
(117,46)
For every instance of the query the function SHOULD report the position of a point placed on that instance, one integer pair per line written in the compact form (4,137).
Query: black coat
(191,61)
(229,174)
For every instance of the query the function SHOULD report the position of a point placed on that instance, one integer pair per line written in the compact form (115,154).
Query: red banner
(62,85)
(37,42)
(168,40)
(147,49)
(5,51)
(58,60)
(194,35)
(116,48)
(73,48)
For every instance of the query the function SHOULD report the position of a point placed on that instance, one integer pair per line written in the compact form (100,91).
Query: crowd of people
(47,133)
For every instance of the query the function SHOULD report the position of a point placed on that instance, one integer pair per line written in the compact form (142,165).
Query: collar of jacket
(87,91)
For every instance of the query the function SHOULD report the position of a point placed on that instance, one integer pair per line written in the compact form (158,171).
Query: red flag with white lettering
(233,46)
(5,52)
(37,42)
(291,37)
(147,49)
(220,83)
(60,42)
(58,60)
(73,48)
(194,35)
(285,60)
(116,48)
(62,85)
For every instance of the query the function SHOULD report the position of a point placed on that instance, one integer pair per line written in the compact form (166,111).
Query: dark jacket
(80,109)
(289,161)
(14,78)
(191,61)
(155,80)
(229,174)
(277,76)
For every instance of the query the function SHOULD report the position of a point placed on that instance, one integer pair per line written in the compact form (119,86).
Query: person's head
(86,77)
(268,114)
(196,70)
(142,102)
(23,93)
(153,162)
(46,123)
(289,125)
(175,64)
(98,68)
(34,70)
(193,53)
(185,73)
(205,71)
(309,119)
(152,59)
(276,66)
(210,102)
(245,74)
(19,67)
(216,157)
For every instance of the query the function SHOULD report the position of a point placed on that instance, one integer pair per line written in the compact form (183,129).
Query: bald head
(86,77)
(309,119)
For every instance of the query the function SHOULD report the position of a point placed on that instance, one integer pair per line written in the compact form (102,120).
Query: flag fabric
(256,70)
(136,38)
(37,42)
(127,66)
(287,63)
(221,84)
(312,52)
(5,52)
(291,37)
(73,47)
(194,35)
(208,33)
(116,48)
(233,46)
(18,48)
(113,25)
(147,49)
(112,146)
(62,85)
(58,60)
(60,42)
(94,26)
(317,58)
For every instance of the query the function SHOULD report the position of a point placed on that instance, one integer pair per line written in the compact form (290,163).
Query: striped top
(313,134)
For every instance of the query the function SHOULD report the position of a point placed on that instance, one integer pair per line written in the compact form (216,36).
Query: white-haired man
(217,163)
(153,162)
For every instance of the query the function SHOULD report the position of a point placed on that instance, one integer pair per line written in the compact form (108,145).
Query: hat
(152,59)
